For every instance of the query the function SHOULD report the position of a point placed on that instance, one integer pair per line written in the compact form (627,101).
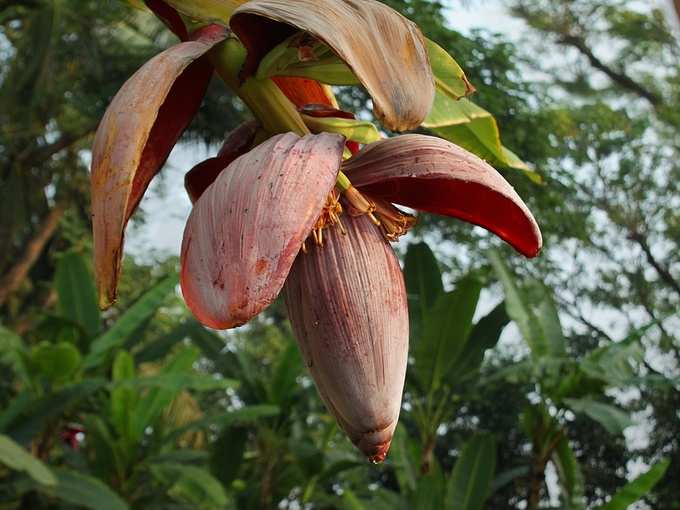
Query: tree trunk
(11,282)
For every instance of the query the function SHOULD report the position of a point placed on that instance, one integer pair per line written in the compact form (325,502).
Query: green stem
(267,102)
(342,182)
(264,98)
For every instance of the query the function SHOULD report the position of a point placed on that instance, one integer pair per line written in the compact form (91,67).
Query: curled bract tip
(385,50)
(139,129)
(376,444)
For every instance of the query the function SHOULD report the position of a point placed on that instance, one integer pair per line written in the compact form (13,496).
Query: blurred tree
(62,62)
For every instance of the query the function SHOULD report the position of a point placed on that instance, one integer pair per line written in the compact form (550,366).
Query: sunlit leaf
(464,123)
(361,131)
(449,77)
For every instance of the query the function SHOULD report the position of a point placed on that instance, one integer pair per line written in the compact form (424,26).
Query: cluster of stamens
(330,216)
(392,222)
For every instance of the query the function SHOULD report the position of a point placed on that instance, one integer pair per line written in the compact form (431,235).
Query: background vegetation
(557,389)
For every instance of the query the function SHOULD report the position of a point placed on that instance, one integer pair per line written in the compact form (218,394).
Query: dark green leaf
(445,332)
(423,283)
(244,415)
(570,475)
(519,308)
(143,308)
(15,457)
(350,501)
(112,456)
(549,320)
(56,363)
(76,292)
(284,381)
(153,403)
(484,335)
(431,489)
(191,484)
(227,453)
(11,347)
(508,476)
(123,398)
(196,382)
(42,410)
(638,488)
(85,491)
(613,363)
(470,481)
(405,454)
(157,349)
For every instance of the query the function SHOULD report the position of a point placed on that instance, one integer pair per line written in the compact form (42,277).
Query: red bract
(433,175)
(345,294)
(347,304)
(135,137)
(246,229)
(237,143)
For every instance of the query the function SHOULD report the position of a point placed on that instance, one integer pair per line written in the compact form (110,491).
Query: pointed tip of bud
(381,450)
(376,444)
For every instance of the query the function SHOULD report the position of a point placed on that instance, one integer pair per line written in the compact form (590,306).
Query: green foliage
(132,319)
(85,491)
(77,295)
(191,484)
(570,474)
(637,488)
(423,283)
(446,330)
(470,481)
(535,316)
(611,418)
(15,457)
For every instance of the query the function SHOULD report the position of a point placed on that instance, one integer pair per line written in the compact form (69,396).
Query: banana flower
(279,209)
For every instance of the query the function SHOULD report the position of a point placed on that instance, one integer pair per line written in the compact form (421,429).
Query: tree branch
(662,271)
(12,280)
(40,154)
(618,77)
